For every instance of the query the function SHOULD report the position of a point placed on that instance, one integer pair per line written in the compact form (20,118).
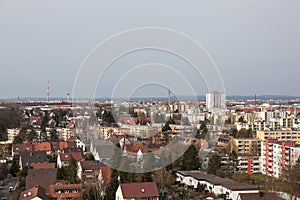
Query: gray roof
(104,148)
(215,180)
(28,158)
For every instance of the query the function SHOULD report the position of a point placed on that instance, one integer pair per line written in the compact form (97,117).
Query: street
(4,190)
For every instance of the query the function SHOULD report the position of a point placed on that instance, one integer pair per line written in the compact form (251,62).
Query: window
(75,191)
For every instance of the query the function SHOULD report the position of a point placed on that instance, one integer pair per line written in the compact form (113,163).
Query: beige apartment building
(280,135)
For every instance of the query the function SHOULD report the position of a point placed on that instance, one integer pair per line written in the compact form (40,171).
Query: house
(35,193)
(43,165)
(88,169)
(64,158)
(42,146)
(104,174)
(42,177)
(144,190)
(257,196)
(102,150)
(65,191)
(17,148)
(28,158)
(214,184)
(78,143)
(58,147)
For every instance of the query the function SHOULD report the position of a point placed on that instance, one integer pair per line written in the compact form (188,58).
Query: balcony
(270,160)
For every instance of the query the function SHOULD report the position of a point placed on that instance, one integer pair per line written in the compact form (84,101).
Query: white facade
(278,157)
(218,187)
(12,133)
(215,100)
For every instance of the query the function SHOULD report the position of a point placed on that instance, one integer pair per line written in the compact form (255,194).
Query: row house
(214,184)
(277,157)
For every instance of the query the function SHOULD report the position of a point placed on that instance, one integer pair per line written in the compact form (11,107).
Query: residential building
(106,132)
(277,157)
(214,184)
(42,177)
(257,196)
(78,143)
(12,133)
(280,135)
(28,158)
(63,159)
(42,146)
(248,164)
(245,146)
(88,169)
(43,165)
(65,191)
(215,100)
(104,174)
(18,148)
(134,191)
(35,193)
(102,150)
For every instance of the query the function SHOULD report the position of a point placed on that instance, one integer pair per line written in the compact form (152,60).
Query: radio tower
(48,91)
(169,99)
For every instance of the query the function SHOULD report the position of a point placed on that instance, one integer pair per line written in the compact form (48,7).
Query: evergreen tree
(14,168)
(113,186)
(72,171)
(214,164)
(166,127)
(32,135)
(190,159)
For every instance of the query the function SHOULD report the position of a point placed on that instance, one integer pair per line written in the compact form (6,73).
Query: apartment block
(12,133)
(277,157)
(280,135)
(245,146)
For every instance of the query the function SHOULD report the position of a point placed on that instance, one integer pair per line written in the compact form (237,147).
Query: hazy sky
(255,43)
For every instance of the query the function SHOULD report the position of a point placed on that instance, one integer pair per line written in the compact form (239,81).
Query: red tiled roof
(135,147)
(90,165)
(22,147)
(71,188)
(43,146)
(66,156)
(106,174)
(42,177)
(31,193)
(63,145)
(135,190)
(43,165)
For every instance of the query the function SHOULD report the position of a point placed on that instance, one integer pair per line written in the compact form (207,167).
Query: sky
(254,43)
